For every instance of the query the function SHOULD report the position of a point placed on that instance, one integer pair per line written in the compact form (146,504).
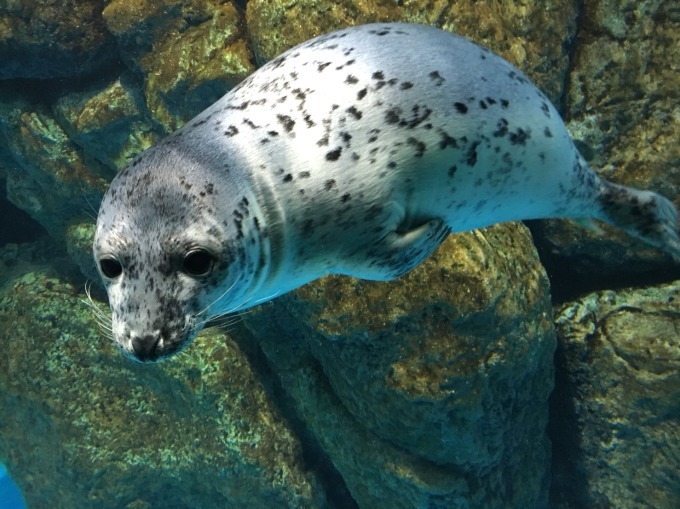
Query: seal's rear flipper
(644,214)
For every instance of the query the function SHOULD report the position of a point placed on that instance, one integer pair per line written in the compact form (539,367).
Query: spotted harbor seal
(354,153)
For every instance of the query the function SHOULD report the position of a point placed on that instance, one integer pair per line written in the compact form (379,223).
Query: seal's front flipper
(644,214)
(400,251)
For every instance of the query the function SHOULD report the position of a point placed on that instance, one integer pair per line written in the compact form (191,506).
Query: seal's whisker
(218,298)
(101,318)
(94,213)
(267,298)
(221,320)
(232,313)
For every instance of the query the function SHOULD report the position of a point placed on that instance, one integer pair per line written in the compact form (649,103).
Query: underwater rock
(47,39)
(531,35)
(110,123)
(615,418)
(431,388)
(47,174)
(190,52)
(91,429)
(79,237)
(622,109)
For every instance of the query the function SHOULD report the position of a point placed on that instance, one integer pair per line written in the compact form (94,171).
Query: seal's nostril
(146,347)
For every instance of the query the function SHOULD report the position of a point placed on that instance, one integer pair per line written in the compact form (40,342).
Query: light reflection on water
(10,497)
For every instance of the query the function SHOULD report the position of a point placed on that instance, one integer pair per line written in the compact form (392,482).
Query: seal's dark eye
(110,267)
(198,262)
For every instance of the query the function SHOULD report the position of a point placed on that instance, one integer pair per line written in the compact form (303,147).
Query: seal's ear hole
(110,267)
(198,262)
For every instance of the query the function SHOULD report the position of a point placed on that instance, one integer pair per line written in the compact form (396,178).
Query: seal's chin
(156,346)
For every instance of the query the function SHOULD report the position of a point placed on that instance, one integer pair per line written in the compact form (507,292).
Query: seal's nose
(146,347)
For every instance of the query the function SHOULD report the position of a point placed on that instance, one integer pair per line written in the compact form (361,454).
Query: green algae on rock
(90,429)
(110,123)
(50,177)
(615,423)
(190,52)
(448,368)
(79,236)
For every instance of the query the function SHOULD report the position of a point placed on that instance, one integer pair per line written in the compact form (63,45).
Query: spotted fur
(355,153)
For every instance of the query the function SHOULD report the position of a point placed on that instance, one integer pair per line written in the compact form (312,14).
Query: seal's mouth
(149,349)
(158,345)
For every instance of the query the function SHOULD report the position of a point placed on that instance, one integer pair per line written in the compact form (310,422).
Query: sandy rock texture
(615,423)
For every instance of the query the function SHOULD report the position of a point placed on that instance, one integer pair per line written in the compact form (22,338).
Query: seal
(354,153)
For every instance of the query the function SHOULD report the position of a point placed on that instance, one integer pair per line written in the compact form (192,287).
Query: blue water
(10,496)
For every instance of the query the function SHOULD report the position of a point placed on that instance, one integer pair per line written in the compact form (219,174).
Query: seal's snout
(145,348)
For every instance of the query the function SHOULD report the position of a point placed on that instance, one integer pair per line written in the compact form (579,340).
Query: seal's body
(354,153)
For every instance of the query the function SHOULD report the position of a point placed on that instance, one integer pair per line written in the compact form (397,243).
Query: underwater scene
(392,268)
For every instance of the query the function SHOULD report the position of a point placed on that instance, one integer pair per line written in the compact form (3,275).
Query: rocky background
(435,390)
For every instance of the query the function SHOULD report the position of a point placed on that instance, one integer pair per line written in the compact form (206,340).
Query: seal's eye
(198,262)
(110,267)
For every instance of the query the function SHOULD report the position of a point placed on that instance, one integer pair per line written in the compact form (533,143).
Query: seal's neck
(267,251)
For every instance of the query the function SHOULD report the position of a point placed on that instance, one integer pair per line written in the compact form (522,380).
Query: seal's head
(166,259)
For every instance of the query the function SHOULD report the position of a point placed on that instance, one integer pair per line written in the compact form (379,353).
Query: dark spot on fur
(334,155)
(288,177)
(354,112)
(406,85)
(471,154)
(437,78)
(545,108)
(418,145)
(308,120)
(361,94)
(329,184)
(417,118)
(378,75)
(351,80)
(547,133)
(392,115)
(287,122)
(501,128)
(519,137)
(447,140)
(304,174)
(460,108)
